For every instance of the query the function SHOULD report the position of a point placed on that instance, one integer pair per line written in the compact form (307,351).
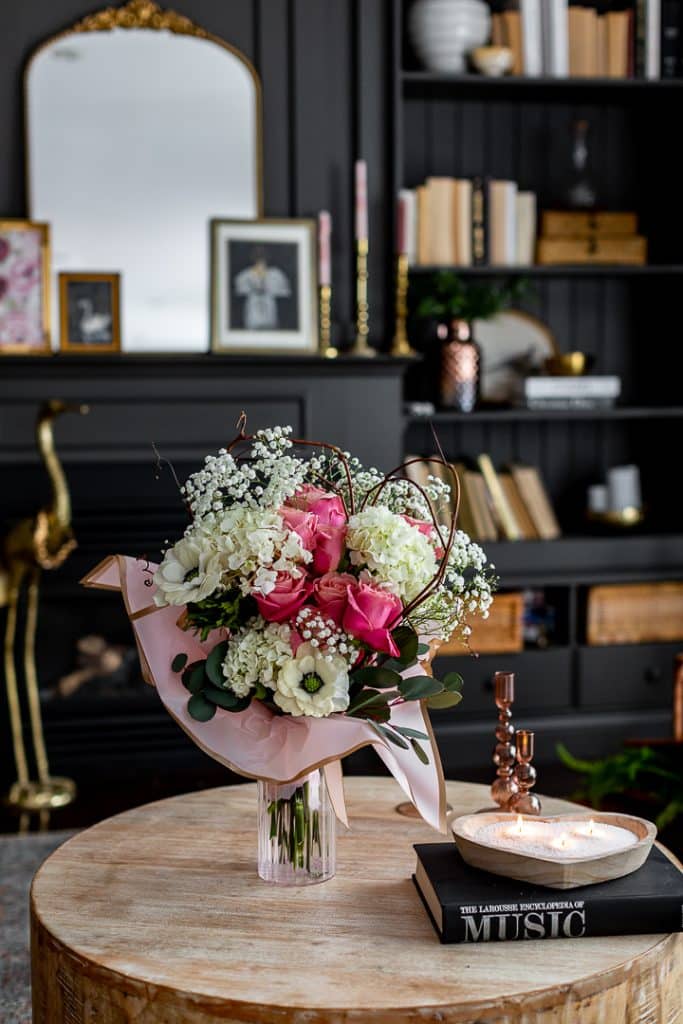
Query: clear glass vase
(296,831)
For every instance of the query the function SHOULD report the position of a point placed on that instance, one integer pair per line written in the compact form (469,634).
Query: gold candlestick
(525,802)
(505,785)
(400,346)
(326,346)
(360,346)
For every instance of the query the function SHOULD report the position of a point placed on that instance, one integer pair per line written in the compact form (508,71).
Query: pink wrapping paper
(255,742)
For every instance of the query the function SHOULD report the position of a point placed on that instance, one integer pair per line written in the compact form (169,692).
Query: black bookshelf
(519,128)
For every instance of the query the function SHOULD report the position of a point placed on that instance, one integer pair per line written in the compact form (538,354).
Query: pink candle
(361,200)
(324,248)
(401,226)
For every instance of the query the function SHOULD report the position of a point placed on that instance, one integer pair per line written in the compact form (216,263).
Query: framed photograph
(264,286)
(24,287)
(89,313)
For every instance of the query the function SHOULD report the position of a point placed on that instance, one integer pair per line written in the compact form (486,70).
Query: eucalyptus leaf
(405,639)
(418,687)
(194,677)
(380,678)
(223,698)
(390,735)
(367,698)
(200,708)
(420,751)
(446,699)
(453,682)
(214,663)
(179,663)
(411,733)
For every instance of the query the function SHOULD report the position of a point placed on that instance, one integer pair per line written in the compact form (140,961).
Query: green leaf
(390,735)
(420,751)
(179,663)
(446,699)
(368,698)
(405,639)
(411,733)
(260,691)
(422,649)
(453,682)
(418,687)
(194,676)
(200,708)
(214,663)
(380,678)
(223,698)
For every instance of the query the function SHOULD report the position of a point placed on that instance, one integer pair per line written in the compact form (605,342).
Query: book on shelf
(512,38)
(502,224)
(583,42)
(532,40)
(671,39)
(493,505)
(468,905)
(461,223)
(535,497)
(503,514)
(607,386)
(555,31)
(648,38)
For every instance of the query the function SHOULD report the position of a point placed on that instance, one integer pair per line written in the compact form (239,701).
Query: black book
(469,905)
(670,54)
(480,245)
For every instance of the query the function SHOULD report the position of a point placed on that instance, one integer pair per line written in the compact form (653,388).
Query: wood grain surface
(157,916)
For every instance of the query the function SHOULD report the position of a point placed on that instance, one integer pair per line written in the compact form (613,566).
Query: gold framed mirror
(142,127)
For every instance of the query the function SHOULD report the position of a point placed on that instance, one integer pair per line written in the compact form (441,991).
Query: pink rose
(285,599)
(303,523)
(330,594)
(330,544)
(328,507)
(369,613)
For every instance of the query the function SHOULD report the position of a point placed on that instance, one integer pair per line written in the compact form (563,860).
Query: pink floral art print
(23,294)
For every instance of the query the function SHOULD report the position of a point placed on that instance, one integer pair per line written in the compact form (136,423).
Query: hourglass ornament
(524,801)
(504,786)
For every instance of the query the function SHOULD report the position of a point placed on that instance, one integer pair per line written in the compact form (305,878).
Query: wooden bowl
(555,874)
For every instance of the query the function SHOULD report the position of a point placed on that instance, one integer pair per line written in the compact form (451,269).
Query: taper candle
(324,248)
(361,199)
(402,226)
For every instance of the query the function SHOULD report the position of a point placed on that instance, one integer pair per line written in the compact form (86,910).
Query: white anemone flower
(187,574)
(313,684)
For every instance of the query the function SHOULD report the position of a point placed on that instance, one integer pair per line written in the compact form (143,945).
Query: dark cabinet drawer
(631,676)
(542,679)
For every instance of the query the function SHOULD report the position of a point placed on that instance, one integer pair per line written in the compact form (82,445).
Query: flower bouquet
(295,621)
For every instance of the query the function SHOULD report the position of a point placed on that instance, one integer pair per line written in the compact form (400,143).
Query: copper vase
(460,368)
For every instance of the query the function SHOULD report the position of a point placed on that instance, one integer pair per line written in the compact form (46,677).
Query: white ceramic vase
(443,32)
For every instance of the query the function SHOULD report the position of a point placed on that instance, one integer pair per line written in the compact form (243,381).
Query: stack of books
(508,505)
(578,236)
(463,223)
(622,39)
(586,392)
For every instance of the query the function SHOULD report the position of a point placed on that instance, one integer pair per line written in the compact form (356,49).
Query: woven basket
(635,613)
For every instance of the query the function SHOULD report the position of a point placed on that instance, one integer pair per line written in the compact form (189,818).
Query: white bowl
(493,61)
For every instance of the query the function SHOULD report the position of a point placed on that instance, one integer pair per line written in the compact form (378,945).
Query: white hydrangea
(313,684)
(256,545)
(256,654)
(395,553)
(189,572)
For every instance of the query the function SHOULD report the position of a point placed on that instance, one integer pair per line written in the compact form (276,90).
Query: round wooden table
(157,916)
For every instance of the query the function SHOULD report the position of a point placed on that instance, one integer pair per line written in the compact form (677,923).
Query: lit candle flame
(520,824)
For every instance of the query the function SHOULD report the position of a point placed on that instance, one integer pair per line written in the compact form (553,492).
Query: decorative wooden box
(635,613)
(501,633)
(624,249)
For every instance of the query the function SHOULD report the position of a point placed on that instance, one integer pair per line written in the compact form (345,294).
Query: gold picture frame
(80,338)
(264,288)
(20,288)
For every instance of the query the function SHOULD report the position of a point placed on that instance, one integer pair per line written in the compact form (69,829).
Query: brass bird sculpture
(41,542)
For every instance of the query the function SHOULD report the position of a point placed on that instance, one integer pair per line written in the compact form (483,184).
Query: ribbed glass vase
(296,831)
